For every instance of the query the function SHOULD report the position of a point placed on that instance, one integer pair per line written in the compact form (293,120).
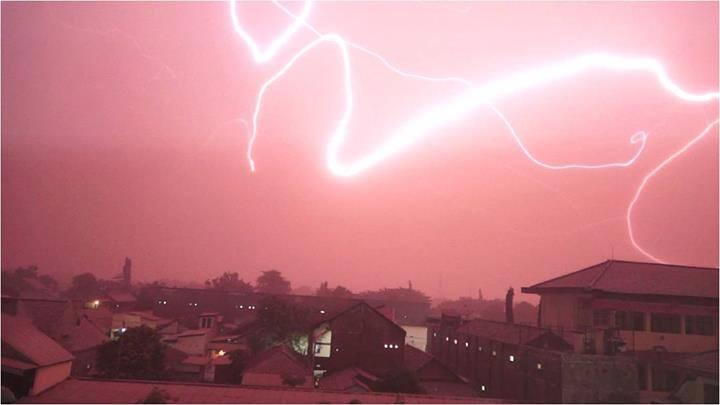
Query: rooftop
(31,344)
(104,391)
(624,277)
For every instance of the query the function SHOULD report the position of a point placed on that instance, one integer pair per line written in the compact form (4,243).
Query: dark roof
(121,296)
(502,331)
(624,277)
(706,362)
(415,358)
(63,322)
(20,334)
(108,391)
(276,360)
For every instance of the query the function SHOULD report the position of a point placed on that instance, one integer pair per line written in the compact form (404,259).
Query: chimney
(509,316)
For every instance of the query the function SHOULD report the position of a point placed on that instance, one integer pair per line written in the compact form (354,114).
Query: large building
(654,312)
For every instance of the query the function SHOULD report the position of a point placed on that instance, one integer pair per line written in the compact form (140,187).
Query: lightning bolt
(434,117)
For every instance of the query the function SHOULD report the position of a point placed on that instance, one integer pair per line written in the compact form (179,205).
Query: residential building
(31,361)
(650,312)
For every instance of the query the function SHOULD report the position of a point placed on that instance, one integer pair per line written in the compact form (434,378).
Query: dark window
(664,380)
(665,323)
(642,377)
(601,317)
(700,325)
(630,320)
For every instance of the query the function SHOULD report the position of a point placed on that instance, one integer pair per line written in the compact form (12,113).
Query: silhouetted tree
(397,294)
(338,292)
(138,353)
(279,321)
(272,282)
(229,282)
(238,361)
(84,286)
(156,396)
(21,280)
(400,380)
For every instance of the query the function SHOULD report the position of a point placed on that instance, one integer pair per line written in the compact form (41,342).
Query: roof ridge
(669,265)
(607,264)
(567,274)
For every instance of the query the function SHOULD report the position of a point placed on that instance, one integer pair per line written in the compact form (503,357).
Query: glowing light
(221,353)
(653,172)
(259,55)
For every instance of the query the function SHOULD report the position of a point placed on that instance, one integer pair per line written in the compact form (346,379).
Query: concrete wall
(416,336)
(47,377)
(598,379)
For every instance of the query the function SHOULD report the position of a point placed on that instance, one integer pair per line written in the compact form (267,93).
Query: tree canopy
(272,282)
(84,286)
(137,353)
(279,321)
(337,292)
(229,282)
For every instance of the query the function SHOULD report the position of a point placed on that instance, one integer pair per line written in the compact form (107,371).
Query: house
(31,361)
(645,305)
(67,324)
(351,379)
(278,366)
(652,312)
(120,300)
(358,336)
(121,321)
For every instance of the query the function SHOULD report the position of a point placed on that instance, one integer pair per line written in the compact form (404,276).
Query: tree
(156,396)
(337,292)
(229,282)
(279,321)
(272,282)
(138,353)
(84,286)
(397,294)
(400,380)
(238,361)
(292,379)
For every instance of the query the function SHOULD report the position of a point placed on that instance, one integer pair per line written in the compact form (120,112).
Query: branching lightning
(429,120)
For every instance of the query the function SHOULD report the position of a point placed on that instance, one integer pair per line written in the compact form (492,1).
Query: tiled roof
(347,379)
(64,323)
(20,334)
(415,358)
(277,360)
(99,391)
(623,277)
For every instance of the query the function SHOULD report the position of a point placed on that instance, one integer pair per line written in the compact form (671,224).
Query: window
(642,377)
(700,325)
(322,349)
(665,323)
(630,320)
(601,317)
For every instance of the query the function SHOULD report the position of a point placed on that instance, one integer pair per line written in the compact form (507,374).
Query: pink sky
(120,137)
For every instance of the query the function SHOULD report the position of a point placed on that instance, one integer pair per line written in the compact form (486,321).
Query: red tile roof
(277,360)
(108,392)
(623,277)
(33,345)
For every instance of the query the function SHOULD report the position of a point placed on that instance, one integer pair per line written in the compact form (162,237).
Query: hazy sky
(121,137)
